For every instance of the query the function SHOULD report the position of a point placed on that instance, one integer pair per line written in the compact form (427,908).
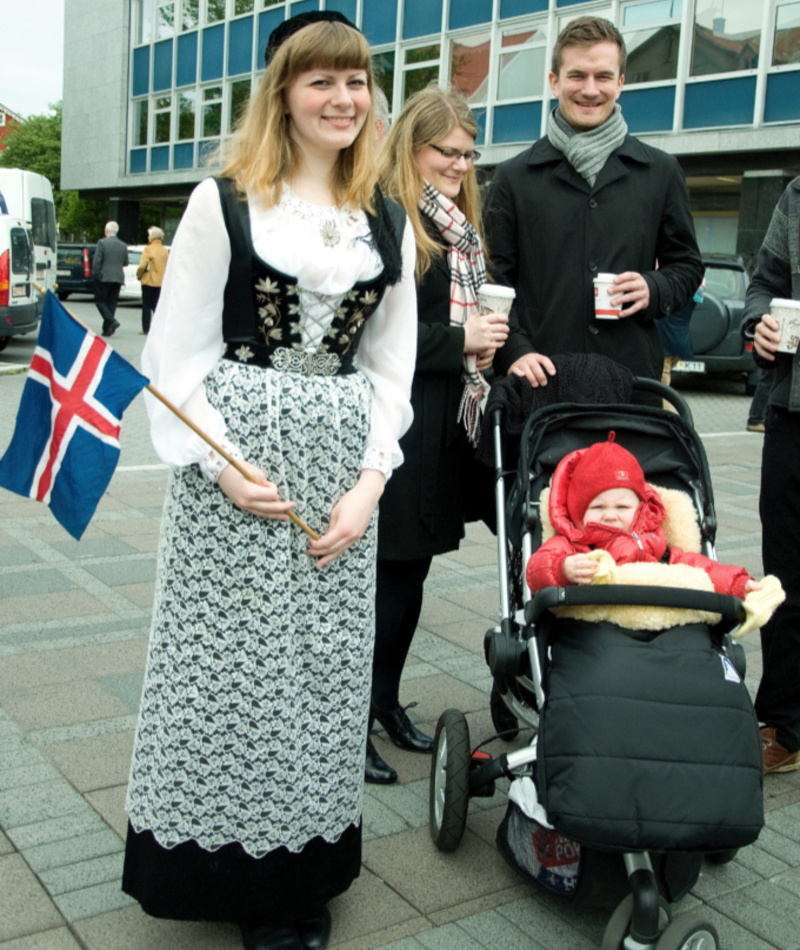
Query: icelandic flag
(66,439)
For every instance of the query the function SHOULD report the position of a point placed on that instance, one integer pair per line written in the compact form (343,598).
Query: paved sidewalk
(73,639)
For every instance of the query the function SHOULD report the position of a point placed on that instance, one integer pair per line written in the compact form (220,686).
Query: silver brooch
(330,234)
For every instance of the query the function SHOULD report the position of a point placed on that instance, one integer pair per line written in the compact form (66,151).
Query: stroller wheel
(449,788)
(689,932)
(504,721)
(721,857)
(620,922)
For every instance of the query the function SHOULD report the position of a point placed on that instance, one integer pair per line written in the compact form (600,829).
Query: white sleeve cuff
(380,460)
(212,463)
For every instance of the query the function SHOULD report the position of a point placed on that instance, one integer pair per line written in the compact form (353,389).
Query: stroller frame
(642,921)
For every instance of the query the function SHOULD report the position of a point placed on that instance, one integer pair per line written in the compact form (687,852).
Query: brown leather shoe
(776,758)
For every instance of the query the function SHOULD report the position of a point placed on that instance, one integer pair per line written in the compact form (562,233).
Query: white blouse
(294,236)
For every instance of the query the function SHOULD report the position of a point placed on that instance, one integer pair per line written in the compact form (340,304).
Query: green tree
(35,145)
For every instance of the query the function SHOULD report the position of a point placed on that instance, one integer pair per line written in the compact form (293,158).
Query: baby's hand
(580,568)
(751,585)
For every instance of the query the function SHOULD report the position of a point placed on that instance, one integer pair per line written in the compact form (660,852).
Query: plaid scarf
(467,272)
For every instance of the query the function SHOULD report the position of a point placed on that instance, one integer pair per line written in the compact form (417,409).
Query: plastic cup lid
(605,277)
(787,304)
(497,290)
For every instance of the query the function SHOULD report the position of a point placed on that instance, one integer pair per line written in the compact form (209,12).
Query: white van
(29,196)
(18,305)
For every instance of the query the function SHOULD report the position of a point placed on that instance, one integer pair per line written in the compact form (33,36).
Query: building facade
(151,87)
(8,120)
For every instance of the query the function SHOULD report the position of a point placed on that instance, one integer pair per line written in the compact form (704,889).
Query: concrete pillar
(760,193)
(126,214)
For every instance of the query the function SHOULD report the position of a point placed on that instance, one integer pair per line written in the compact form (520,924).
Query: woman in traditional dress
(286,329)
(427,166)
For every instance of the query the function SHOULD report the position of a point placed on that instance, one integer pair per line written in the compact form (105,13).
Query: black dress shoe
(315,931)
(400,730)
(376,771)
(270,937)
(114,326)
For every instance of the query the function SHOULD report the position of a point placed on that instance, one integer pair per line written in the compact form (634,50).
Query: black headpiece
(295,23)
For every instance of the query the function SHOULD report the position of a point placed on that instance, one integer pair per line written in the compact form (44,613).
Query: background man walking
(110,257)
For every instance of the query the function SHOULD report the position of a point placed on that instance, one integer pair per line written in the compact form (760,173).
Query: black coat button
(592,203)
(593,329)
(593,267)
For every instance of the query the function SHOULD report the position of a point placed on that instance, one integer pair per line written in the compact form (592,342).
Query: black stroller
(645,753)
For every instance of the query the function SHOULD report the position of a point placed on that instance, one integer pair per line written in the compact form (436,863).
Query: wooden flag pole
(195,428)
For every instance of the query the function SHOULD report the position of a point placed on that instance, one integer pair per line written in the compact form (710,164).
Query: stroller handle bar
(634,596)
(644,384)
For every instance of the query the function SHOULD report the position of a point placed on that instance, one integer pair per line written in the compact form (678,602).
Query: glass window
(215,11)
(422,68)
(212,111)
(787,35)
(165,19)
(20,252)
(383,69)
(140,110)
(727,36)
(163,117)
(650,11)
(190,14)
(142,21)
(186,110)
(469,66)
(652,54)
(271,3)
(242,6)
(521,72)
(43,223)
(240,96)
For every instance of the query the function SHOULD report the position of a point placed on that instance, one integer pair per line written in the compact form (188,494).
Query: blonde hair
(427,117)
(261,154)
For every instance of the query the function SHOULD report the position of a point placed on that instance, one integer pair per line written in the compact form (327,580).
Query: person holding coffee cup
(588,201)
(427,166)
(774,292)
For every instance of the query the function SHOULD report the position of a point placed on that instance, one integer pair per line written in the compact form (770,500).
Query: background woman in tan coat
(151,273)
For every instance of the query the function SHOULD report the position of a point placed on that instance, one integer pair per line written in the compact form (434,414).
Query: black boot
(270,937)
(401,731)
(315,930)
(376,771)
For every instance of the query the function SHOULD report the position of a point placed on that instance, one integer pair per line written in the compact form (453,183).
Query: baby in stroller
(600,502)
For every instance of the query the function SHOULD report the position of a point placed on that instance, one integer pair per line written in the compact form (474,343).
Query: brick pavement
(73,639)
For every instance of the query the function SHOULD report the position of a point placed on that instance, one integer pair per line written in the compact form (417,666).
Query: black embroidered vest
(261,319)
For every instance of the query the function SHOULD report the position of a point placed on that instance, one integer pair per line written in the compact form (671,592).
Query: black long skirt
(189,883)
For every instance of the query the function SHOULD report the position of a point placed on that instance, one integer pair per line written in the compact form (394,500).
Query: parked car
(132,288)
(718,345)
(18,300)
(74,269)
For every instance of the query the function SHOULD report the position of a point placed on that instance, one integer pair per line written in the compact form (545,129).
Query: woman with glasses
(427,166)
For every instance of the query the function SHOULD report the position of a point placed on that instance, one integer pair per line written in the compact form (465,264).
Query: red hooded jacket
(646,541)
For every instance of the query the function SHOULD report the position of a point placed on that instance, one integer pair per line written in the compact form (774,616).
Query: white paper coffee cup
(603,292)
(787,313)
(495,298)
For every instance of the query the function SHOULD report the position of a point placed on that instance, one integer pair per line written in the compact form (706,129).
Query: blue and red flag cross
(65,445)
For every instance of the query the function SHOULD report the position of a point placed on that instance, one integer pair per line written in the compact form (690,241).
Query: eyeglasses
(452,154)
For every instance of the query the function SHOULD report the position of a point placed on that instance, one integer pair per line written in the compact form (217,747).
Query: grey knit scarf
(587,152)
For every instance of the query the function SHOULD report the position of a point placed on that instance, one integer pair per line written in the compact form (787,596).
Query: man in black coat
(587,199)
(110,256)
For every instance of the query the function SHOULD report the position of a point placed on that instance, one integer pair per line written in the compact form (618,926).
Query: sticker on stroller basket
(730,670)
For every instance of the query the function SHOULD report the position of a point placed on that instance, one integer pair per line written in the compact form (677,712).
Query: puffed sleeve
(386,356)
(185,339)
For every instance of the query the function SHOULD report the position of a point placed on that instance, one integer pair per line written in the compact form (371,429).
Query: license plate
(690,366)
(63,273)
(20,290)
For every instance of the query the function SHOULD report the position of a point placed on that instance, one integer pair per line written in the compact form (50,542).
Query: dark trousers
(106,297)
(778,699)
(150,297)
(398,603)
(758,407)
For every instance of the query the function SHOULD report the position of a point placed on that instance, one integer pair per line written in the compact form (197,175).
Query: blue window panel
(469,13)
(213,52)
(141,71)
(187,59)
(304,6)
(480,118)
(569,3)
(345,7)
(240,46)
(206,150)
(783,97)
(422,17)
(183,155)
(138,160)
(379,21)
(648,110)
(267,22)
(517,123)
(509,8)
(725,102)
(162,65)
(159,159)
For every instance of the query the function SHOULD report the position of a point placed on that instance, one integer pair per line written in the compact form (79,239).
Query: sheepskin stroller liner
(520,653)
